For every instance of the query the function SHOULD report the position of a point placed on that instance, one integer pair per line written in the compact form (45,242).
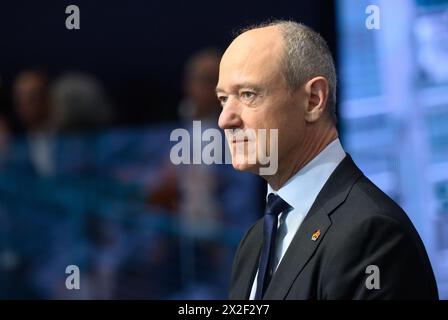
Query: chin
(245,167)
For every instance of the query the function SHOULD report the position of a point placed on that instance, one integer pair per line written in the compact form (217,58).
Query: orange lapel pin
(315,235)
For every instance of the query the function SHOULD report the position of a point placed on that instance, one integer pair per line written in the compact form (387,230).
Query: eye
(222,99)
(247,95)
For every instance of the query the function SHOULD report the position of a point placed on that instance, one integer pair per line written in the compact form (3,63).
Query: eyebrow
(239,86)
(218,90)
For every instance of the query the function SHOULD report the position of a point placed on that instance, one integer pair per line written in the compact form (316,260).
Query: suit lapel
(249,264)
(297,255)
(302,246)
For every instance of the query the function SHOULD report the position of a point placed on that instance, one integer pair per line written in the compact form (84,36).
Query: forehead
(254,56)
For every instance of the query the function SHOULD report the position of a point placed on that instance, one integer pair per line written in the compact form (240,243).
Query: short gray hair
(306,56)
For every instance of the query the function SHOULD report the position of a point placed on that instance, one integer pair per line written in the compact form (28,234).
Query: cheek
(258,118)
(289,124)
(272,113)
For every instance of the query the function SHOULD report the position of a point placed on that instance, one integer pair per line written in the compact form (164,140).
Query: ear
(317,92)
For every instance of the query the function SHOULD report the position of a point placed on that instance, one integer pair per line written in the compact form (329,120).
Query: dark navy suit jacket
(358,226)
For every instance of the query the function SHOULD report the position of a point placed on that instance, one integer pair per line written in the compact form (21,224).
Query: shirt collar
(301,190)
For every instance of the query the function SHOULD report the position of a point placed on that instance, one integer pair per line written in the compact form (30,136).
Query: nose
(230,117)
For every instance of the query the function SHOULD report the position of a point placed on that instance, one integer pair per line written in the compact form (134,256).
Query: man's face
(30,95)
(254,95)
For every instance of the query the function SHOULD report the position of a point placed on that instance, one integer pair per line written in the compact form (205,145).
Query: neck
(313,143)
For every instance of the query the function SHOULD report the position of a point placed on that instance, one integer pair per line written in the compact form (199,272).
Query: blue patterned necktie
(274,207)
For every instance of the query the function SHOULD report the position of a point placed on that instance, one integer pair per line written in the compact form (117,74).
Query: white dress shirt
(300,192)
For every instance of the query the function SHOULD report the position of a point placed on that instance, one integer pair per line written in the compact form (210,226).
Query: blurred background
(85,123)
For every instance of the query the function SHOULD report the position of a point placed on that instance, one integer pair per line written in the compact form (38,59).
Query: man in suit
(328,231)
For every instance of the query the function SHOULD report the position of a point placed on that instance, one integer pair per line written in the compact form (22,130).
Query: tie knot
(276,205)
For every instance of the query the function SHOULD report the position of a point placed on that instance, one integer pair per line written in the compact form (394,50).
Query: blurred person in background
(5,138)
(46,111)
(200,185)
(33,110)
(196,186)
(5,130)
(79,103)
(199,104)
(200,78)
(198,182)
(72,102)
